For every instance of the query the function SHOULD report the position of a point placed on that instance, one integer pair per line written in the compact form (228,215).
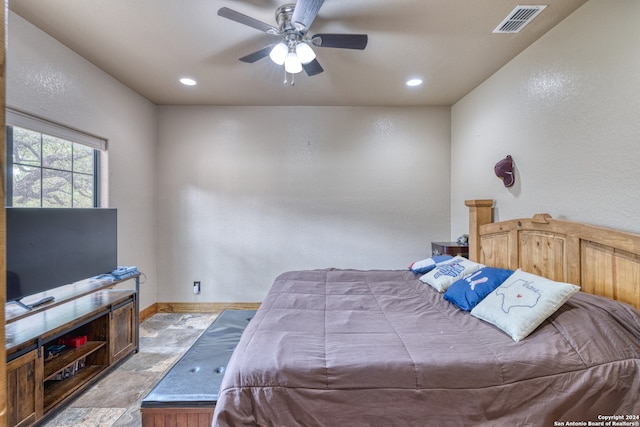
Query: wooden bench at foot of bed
(187,394)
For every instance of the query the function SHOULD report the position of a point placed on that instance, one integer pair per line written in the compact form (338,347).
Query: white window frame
(24,120)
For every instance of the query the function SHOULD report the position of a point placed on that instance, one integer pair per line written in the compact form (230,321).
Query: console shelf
(39,382)
(63,294)
(69,357)
(57,391)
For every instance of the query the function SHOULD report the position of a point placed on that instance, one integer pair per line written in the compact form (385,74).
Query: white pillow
(448,272)
(523,302)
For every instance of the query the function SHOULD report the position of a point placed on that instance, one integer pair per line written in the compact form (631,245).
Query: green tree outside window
(50,172)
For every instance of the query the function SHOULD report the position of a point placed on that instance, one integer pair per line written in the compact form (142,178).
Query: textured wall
(246,193)
(567,109)
(47,79)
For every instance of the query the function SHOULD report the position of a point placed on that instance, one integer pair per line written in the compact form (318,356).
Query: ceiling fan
(294,50)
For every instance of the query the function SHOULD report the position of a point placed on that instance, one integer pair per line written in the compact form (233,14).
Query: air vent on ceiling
(518,18)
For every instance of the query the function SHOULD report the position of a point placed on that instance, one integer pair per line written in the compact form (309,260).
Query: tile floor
(114,401)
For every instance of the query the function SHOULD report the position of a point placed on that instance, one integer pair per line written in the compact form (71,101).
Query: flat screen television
(51,247)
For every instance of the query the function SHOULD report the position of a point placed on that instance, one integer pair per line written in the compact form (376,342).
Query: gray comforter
(380,348)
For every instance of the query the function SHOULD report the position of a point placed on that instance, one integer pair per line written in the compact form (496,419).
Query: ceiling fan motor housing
(283,17)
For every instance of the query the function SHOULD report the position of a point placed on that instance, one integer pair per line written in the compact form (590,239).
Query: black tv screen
(51,247)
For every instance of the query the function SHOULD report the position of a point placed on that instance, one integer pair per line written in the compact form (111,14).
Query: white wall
(568,110)
(246,193)
(47,79)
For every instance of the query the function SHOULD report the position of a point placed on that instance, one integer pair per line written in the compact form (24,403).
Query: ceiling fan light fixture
(305,53)
(292,64)
(279,53)
(295,49)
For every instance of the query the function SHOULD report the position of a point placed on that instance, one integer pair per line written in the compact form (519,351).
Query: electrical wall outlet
(196,287)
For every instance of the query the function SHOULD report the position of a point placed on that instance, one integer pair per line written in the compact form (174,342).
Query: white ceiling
(149,44)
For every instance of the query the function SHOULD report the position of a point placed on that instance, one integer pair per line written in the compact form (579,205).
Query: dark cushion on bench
(195,379)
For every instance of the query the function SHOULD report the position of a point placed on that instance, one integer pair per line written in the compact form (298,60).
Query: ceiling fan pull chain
(293,79)
(285,78)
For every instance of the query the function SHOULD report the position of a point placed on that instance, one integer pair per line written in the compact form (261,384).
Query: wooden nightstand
(449,248)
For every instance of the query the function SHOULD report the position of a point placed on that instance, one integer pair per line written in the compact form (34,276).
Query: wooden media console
(98,329)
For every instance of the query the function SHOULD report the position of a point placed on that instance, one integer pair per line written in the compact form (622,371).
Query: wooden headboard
(602,261)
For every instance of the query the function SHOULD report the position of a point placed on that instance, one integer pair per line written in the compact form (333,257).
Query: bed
(383,348)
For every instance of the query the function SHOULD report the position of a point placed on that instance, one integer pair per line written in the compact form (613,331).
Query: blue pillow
(467,292)
(426,265)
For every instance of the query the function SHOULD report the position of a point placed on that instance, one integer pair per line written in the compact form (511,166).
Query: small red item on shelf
(75,342)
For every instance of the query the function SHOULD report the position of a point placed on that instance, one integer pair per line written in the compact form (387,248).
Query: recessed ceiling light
(187,81)
(414,82)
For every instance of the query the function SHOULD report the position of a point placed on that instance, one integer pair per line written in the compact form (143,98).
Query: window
(49,169)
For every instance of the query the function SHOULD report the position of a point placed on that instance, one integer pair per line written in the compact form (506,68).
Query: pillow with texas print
(522,303)
(467,292)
